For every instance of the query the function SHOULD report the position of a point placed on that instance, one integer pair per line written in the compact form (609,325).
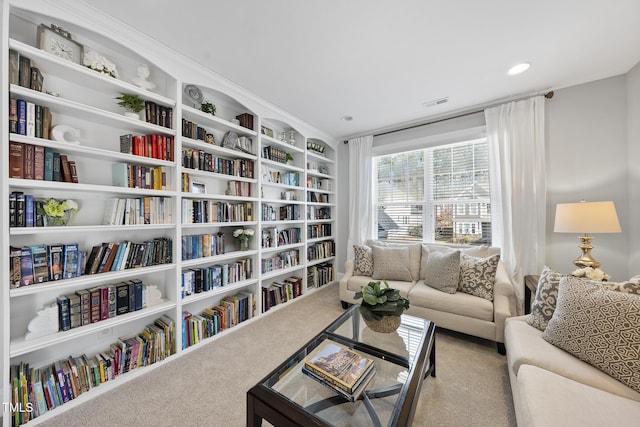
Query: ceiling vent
(435,102)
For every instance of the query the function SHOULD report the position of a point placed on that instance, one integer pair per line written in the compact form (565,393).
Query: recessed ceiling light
(346,118)
(519,68)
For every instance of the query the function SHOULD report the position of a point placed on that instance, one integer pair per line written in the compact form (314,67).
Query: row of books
(202,245)
(88,306)
(39,390)
(278,177)
(156,146)
(22,73)
(111,256)
(28,161)
(319,183)
(158,114)
(238,188)
(272,237)
(318,230)
(43,263)
(196,211)
(138,210)
(195,131)
(28,118)
(286,259)
(229,312)
(275,153)
(317,212)
(340,368)
(198,280)
(321,250)
(320,275)
(317,197)
(204,161)
(140,176)
(280,291)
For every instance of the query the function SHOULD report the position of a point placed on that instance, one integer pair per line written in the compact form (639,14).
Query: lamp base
(586,259)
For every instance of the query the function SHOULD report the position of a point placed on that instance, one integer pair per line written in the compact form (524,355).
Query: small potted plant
(381,307)
(289,158)
(208,107)
(56,212)
(243,235)
(132,103)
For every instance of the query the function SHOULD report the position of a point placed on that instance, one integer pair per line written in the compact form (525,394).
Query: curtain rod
(547,95)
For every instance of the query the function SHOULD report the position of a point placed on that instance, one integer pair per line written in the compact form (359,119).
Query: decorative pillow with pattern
(544,303)
(478,275)
(362,260)
(391,263)
(598,326)
(444,271)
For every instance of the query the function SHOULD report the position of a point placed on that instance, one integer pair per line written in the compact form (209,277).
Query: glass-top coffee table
(402,359)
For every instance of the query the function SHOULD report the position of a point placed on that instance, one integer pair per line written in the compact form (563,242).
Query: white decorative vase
(132,115)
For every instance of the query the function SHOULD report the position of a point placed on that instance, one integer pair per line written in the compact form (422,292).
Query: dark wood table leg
(253,419)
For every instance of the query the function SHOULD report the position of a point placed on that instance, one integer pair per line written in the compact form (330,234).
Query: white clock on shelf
(58,42)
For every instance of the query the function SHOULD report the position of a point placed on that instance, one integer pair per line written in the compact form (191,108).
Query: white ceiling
(379,61)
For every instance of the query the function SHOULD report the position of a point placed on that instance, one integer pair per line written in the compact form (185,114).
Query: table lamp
(586,217)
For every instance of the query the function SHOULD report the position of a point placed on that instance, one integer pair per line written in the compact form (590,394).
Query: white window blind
(438,194)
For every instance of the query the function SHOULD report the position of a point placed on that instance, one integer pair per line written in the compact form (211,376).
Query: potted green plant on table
(381,307)
(132,103)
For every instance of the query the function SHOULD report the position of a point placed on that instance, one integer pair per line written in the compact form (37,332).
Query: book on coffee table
(341,368)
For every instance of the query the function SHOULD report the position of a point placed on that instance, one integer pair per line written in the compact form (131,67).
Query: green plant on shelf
(208,107)
(132,103)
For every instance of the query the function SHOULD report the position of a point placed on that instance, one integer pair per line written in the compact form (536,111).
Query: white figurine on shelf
(141,79)
(45,323)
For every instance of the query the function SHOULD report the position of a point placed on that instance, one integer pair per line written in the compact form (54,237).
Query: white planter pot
(132,115)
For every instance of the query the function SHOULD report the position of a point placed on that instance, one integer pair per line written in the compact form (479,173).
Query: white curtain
(515,134)
(360,192)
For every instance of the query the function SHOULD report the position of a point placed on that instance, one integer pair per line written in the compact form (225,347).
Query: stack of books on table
(340,368)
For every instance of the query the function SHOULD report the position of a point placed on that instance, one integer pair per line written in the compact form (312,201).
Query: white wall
(633,163)
(586,159)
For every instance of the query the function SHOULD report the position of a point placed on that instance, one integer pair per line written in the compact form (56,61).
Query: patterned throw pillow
(443,271)
(600,327)
(544,302)
(478,275)
(391,263)
(363,260)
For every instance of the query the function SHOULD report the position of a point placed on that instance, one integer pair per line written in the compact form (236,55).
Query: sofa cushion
(599,326)
(443,271)
(478,275)
(356,283)
(548,399)
(481,251)
(544,302)
(525,346)
(362,260)
(414,254)
(391,263)
(459,303)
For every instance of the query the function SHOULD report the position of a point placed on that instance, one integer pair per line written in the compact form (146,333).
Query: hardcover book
(339,366)
(56,262)
(16,160)
(40,263)
(26,267)
(122,298)
(63,313)
(70,268)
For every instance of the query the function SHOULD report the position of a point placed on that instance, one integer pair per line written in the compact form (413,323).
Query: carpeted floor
(208,385)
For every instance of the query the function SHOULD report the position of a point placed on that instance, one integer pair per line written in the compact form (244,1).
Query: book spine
(64,316)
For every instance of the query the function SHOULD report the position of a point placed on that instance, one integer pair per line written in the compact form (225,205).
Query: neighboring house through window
(437,194)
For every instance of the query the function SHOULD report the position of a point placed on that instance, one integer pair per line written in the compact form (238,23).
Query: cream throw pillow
(598,326)
(391,263)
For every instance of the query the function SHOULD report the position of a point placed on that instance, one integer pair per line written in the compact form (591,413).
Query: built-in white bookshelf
(192,202)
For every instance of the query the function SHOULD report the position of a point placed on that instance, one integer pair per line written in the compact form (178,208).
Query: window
(438,194)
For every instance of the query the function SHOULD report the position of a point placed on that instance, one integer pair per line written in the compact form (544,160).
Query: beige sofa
(554,387)
(458,311)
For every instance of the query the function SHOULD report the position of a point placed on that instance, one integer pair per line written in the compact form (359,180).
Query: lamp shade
(586,217)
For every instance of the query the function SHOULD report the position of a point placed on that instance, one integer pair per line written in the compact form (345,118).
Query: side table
(530,288)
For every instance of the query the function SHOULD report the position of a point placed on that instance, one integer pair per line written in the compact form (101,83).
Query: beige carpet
(208,386)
